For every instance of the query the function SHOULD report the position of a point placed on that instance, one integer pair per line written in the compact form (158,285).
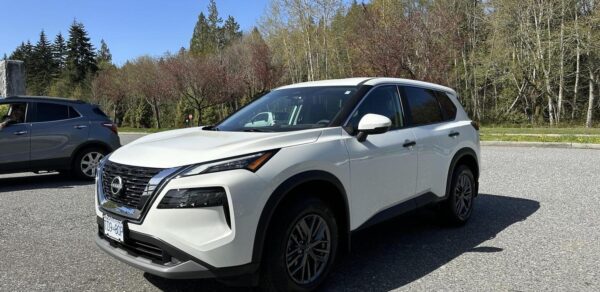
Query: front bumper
(184,270)
(159,258)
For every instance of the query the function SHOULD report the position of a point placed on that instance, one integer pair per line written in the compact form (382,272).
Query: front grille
(135,179)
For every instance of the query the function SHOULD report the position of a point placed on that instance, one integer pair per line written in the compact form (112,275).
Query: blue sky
(131,28)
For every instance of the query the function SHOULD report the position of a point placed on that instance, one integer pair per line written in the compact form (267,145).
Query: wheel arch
(88,144)
(286,192)
(464,156)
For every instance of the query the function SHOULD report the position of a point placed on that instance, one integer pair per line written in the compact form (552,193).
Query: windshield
(290,109)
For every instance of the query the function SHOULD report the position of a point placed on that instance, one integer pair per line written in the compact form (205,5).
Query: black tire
(77,168)
(276,276)
(458,207)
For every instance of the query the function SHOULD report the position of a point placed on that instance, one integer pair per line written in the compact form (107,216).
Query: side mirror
(372,124)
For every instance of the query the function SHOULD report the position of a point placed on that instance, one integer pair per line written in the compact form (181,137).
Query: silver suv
(54,134)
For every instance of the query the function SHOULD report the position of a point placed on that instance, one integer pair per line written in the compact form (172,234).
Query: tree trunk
(561,73)
(156,108)
(199,116)
(590,110)
(578,53)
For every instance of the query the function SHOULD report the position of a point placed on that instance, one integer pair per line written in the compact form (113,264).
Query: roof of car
(42,98)
(368,81)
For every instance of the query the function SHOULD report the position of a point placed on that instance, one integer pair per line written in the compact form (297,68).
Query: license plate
(113,228)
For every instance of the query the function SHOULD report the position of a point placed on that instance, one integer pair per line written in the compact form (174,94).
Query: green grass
(541,138)
(561,131)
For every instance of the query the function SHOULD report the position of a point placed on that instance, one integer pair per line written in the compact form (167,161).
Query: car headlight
(251,162)
(197,198)
(194,198)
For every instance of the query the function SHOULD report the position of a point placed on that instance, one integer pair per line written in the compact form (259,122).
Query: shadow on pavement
(398,252)
(43,181)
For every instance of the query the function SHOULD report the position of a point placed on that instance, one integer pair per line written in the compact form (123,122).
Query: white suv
(275,202)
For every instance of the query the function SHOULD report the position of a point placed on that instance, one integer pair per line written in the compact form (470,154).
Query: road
(536,227)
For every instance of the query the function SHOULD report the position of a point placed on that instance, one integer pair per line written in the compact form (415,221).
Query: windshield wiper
(210,128)
(255,130)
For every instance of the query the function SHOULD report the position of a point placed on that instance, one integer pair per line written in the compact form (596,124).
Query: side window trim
(399,99)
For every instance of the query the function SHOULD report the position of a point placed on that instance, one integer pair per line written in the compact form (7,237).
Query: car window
(47,112)
(73,113)
(13,113)
(98,111)
(383,100)
(423,106)
(447,106)
(290,109)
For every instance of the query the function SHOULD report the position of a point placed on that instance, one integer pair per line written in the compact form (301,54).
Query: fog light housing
(194,198)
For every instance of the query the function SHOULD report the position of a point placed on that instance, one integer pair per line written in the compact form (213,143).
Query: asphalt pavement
(536,227)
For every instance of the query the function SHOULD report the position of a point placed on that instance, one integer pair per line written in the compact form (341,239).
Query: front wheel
(86,162)
(458,207)
(303,247)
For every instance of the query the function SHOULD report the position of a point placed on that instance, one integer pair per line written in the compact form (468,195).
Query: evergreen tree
(209,36)
(214,21)
(81,58)
(22,52)
(59,49)
(202,43)
(4,57)
(104,57)
(42,66)
(230,32)
(215,30)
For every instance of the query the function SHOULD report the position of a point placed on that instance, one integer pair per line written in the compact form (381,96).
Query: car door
(435,137)
(14,140)
(56,132)
(383,169)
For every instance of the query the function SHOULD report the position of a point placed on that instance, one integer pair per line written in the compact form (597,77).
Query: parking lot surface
(536,227)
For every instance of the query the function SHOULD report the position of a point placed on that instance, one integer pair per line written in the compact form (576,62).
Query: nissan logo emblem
(116,185)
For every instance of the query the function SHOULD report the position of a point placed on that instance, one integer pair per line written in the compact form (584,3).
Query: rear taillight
(475,125)
(111,126)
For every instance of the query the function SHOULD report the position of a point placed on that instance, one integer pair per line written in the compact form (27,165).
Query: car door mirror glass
(372,124)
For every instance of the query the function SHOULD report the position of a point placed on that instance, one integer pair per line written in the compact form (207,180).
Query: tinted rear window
(47,112)
(423,105)
(98,111)
(447,106)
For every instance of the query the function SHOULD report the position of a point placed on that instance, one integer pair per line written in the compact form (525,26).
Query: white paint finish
(189,146)
(376,174)
(409,82)
(373,121)
(370,81)
(383,173)
(331,82)
(435,148)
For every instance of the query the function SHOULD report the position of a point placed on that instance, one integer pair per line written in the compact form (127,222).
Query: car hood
(194,145)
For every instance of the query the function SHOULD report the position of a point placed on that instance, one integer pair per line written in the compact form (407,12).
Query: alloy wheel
(308,249)
(89,163)
(463,196)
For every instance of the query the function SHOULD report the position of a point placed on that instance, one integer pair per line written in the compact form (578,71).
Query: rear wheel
(458,207)
(86,162)
(302,249)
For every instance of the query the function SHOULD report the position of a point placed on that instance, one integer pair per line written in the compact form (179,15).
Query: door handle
(80,127)
(19,133)
(409,143)
(453,134)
